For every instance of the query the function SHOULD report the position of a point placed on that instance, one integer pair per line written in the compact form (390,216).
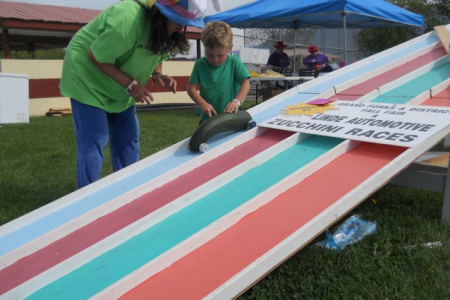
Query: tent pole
(322,41)
(245,45)
(295,46)
(6,44)
(295,41)
(199,49)
(345,38)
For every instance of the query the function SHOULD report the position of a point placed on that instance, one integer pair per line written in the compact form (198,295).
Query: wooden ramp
(181,225)
(444,36)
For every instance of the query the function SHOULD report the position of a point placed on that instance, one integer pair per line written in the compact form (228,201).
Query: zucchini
(217,124)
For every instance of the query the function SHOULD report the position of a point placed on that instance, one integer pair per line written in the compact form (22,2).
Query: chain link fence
(329,41)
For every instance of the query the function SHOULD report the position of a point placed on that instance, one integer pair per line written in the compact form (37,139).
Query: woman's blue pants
(93,128)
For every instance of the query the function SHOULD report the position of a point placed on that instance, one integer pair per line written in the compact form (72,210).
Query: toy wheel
(203,147)
(251,124)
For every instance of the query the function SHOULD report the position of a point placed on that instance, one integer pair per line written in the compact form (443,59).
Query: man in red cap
(317,60)
(279,61)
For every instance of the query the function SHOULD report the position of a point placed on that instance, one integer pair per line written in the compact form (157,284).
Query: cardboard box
(266,95)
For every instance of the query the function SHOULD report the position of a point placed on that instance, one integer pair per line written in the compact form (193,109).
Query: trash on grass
(428,245)
(351,231)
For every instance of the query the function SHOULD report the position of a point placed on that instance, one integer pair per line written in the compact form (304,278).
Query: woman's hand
(140,94)
(167,82)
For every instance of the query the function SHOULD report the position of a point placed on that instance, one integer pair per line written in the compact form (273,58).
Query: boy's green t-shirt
(219,85)
(119,35)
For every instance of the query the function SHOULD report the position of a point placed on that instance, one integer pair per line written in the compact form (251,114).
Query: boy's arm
(243,91)
(240,97)
(206,108)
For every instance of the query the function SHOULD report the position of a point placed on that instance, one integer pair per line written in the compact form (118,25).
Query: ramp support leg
(446,206)
(447,141)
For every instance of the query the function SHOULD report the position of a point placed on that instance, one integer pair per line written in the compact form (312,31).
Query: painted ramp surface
(183,225)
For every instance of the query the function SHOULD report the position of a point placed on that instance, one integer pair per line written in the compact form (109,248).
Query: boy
(223,78)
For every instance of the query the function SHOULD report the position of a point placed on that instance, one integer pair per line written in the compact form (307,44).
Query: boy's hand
(232,106)
(208,109)
(166,81)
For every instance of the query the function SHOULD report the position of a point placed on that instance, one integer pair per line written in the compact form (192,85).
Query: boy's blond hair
(217,34)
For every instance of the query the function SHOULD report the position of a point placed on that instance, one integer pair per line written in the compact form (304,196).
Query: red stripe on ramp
(57,252)
(371,84)
(441,99)
(202,271)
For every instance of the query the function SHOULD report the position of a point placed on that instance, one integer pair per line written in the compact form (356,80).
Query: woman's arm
(111,70)
(164,80)
(137,90)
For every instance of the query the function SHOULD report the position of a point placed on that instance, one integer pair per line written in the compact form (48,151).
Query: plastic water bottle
(351,231)
(346,234)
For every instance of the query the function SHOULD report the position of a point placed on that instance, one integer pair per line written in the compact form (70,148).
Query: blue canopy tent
(294,14)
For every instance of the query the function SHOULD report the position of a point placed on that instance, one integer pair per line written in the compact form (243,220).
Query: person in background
(317,60)
(279,61)
(222,78)
(106,68)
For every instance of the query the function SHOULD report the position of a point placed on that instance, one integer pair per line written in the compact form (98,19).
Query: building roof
(46,13)
(36,26)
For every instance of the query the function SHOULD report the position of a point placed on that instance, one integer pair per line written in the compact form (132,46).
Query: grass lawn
(37,163)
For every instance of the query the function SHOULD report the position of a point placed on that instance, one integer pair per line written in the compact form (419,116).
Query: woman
(317,60)
(107,64)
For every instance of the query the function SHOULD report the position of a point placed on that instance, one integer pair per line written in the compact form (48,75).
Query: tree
(374,40)
(443,7)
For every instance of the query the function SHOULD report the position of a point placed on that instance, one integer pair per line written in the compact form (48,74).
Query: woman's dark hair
(160,42)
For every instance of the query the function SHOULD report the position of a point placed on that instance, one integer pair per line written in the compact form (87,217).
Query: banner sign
(392,124)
